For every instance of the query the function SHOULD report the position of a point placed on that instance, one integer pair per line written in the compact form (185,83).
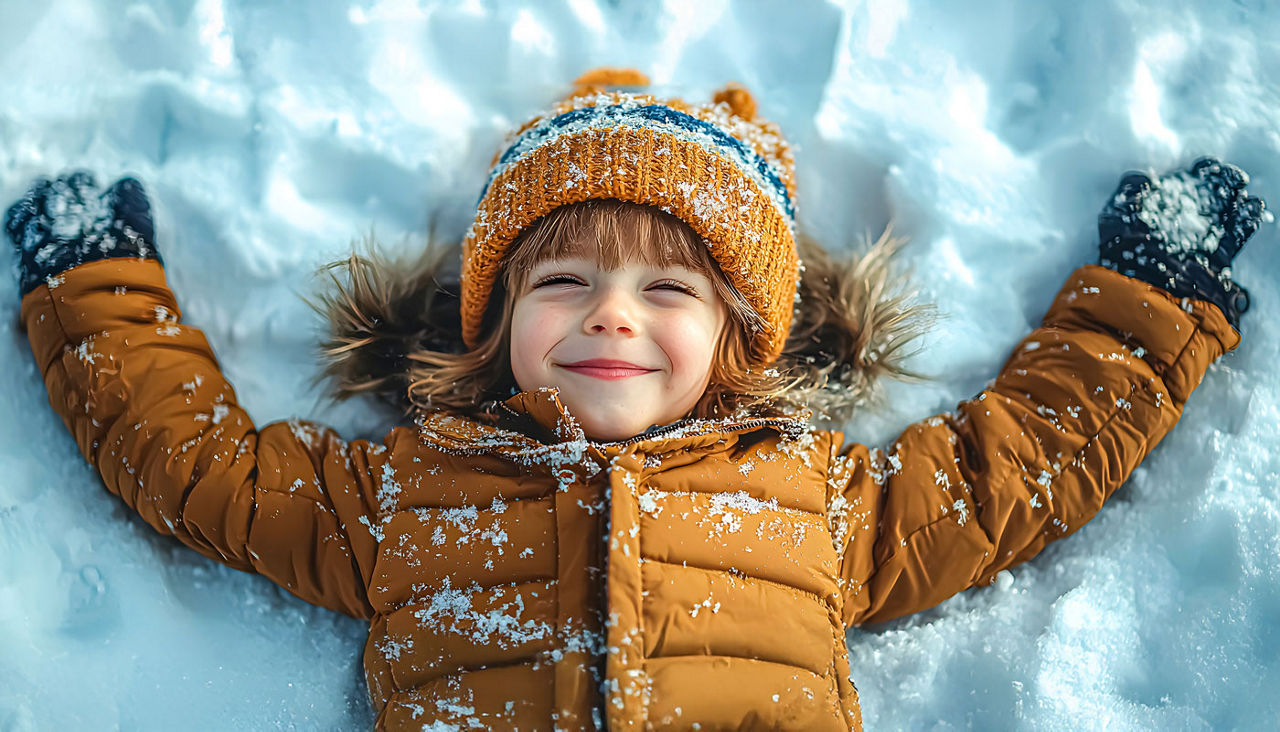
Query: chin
(609,429)
(610,434)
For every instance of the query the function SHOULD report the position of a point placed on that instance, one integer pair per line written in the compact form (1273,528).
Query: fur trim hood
(855,323)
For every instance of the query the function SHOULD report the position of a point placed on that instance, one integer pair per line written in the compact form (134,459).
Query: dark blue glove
(68,221)
(1181,231)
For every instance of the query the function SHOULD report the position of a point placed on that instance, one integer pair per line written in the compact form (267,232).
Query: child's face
(628,349)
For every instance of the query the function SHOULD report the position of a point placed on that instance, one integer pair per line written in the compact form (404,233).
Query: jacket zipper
(741,426)
(749,425)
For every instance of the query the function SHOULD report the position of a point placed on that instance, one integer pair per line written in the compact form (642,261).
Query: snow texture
(271,134)
(1180,210)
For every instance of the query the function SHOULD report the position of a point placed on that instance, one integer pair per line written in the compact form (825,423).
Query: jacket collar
(541,413)
(538,419)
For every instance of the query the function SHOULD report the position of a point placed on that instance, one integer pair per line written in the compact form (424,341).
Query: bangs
(612,232)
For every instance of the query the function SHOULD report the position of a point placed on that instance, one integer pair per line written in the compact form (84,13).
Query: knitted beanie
(718,167)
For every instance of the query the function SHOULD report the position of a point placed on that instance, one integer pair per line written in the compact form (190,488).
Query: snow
(271,135)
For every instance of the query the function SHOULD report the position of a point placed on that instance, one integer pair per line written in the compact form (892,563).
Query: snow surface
(271,134)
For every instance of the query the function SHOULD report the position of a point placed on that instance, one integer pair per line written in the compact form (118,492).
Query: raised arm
(1074,410)
(146,402)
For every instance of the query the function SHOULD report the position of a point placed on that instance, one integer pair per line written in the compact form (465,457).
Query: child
(611,509)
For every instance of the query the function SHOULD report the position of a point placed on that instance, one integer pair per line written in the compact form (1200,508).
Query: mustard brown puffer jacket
(518,576)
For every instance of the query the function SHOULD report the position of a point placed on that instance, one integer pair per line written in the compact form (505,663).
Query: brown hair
(396,331)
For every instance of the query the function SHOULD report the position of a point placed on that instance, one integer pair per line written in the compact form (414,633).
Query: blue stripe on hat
(652,115)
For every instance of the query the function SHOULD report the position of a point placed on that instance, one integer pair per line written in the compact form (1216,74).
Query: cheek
(691,344)
(532,336)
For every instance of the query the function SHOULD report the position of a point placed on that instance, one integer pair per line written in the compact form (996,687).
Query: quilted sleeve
(1075,409)
(146,402)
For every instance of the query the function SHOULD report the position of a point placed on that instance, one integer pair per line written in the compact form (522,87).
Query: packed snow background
(272,134)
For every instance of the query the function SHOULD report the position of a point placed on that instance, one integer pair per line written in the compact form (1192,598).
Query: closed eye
(557,279)
(674,286)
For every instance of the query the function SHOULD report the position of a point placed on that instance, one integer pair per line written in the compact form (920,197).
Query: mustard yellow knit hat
(718,167)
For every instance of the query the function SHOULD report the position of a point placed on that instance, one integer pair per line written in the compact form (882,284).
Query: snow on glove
(1181,231)
(68,221)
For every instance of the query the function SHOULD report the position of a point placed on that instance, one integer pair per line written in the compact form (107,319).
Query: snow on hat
(718,167)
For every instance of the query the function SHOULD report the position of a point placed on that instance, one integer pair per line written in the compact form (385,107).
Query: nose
(612,312)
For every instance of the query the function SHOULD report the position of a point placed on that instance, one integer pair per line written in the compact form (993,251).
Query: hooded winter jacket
(517,575)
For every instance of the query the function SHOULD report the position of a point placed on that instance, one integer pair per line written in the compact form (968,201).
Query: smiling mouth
(606,369)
